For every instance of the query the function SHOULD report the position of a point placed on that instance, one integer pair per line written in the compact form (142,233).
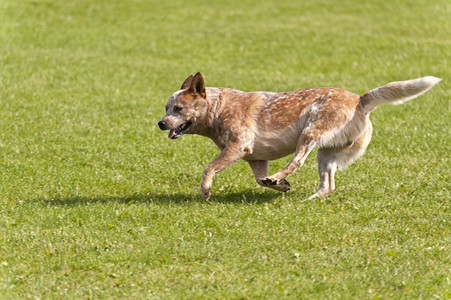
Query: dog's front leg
(228,156)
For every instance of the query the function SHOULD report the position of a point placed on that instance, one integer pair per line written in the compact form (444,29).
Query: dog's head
(186,108)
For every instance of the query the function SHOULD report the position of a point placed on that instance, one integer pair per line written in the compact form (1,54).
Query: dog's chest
(221,139)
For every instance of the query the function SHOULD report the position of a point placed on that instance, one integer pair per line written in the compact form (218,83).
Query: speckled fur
(262,126)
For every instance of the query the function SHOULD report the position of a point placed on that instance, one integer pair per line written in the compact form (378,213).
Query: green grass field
(97,203)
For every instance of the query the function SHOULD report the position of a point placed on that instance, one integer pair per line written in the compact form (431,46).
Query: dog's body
(263,126)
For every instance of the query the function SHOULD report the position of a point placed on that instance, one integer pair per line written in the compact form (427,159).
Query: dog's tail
(397,92)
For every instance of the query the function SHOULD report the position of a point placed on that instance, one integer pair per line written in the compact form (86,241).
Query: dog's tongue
(172,133)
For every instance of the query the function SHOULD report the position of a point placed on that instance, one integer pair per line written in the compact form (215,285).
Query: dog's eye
(177,108)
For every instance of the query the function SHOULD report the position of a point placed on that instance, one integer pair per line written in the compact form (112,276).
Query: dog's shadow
(246,197)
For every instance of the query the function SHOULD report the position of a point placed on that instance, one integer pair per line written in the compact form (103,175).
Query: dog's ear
(198,85)
(187,83)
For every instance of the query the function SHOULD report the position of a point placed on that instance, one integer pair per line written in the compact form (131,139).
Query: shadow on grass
(246,197)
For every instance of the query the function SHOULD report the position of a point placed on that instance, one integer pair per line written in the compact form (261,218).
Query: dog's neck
(214,106)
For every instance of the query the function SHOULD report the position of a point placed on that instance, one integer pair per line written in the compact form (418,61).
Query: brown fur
(262,126)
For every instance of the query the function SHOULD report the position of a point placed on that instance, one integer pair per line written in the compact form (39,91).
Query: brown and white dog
(263,126)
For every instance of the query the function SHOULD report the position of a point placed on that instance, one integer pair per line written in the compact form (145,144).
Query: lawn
(97,203)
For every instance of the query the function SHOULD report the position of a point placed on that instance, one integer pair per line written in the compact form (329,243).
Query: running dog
(262,126)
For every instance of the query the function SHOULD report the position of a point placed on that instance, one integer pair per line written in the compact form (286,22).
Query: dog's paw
(281,185)
(205,194)
(319,194)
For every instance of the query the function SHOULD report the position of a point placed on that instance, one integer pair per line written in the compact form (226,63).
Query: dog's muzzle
(175,133)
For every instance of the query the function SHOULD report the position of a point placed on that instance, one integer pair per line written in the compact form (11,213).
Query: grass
(98,203)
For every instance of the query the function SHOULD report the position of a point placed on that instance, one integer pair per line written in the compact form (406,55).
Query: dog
(262,126)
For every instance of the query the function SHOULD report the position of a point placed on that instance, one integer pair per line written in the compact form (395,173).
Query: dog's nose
(162,125)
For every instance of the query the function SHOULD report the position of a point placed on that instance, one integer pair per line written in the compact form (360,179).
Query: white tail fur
(397,92)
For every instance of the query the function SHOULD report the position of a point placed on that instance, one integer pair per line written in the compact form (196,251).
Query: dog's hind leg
(331,159)
(305,145)
(261,171)
(327,166)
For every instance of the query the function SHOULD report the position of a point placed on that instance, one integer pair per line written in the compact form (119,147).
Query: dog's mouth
(180,130)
